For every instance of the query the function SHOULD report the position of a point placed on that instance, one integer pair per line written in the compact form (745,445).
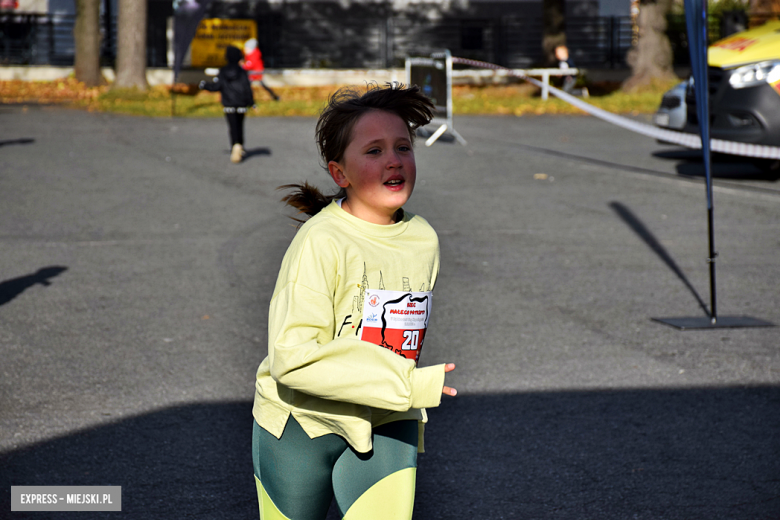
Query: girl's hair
(334,131)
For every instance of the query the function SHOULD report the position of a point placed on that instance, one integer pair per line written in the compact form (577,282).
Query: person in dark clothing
(565,62)
(233,84)
(569,81)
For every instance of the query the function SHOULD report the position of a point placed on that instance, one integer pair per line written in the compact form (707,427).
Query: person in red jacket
(253,64)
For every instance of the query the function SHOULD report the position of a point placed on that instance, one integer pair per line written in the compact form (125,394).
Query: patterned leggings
(297,477)
(235,122)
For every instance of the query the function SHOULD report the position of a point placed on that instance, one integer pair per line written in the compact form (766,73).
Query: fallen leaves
(185,100)
(45,92)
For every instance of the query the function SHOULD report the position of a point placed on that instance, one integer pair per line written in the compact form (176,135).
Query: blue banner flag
(696,21)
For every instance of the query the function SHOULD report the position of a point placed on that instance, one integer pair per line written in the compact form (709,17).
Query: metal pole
(109,31)
(700,62)
(50,27)
(448,75)
(711,260)
(389,41)
(614,46)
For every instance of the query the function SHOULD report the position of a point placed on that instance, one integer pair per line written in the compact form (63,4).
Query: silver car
(673,113)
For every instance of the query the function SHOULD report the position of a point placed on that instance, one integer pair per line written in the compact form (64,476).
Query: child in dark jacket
(233,83)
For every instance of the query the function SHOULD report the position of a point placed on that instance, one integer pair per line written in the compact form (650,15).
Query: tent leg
(432,139)
(459,137)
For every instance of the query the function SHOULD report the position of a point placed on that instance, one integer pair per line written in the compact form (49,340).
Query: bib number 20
(411,340)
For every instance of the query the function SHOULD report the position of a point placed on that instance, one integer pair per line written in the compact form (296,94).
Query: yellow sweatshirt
(317,368)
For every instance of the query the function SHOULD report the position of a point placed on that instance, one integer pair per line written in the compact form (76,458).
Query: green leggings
(297,477)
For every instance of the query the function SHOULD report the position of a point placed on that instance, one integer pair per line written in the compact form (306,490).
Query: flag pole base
(722,322)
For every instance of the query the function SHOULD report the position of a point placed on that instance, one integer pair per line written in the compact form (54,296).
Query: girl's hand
(449,367)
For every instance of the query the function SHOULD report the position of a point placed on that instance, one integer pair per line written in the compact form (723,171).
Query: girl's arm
(304,357)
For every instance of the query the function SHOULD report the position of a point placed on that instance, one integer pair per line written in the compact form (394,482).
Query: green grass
(160,102)
(514,99)
(524,99)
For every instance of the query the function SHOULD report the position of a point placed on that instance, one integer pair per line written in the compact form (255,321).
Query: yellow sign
(214,35)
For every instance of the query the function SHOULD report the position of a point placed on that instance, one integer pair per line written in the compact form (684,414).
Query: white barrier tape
(470,73)
(671,136)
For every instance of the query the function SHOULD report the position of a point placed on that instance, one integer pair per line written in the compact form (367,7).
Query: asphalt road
(137,262)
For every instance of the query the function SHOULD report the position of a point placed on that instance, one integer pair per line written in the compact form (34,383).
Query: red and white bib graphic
(396,320)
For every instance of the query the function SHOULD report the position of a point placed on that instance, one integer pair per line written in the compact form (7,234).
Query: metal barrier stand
(433,88)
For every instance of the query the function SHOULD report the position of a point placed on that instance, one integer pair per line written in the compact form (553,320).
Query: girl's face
(378,169)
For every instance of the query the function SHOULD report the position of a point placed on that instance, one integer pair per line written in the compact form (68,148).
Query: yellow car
(744,85)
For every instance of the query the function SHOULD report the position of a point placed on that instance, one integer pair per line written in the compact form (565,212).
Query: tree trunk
(86,33)
(553,29)
(651,59)
(761,11)
(131,45)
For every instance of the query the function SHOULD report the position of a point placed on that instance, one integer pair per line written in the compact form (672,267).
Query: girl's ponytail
(307,198)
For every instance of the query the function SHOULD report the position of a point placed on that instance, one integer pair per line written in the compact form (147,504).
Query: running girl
(339,401)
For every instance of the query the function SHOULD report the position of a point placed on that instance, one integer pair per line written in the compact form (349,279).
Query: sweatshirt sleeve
(212,86)
(304,358)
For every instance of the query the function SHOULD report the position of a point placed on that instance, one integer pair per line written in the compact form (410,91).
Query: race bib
(396,320)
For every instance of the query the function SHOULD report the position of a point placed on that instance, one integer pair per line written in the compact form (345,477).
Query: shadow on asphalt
(10,289)
(638,227)
(708,453)
(24,140)
(723,166)
(251,152)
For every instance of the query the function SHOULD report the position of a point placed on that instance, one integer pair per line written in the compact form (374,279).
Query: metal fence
(378,42)
(599,41)
(297,39)
(47,39)
(32,39)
